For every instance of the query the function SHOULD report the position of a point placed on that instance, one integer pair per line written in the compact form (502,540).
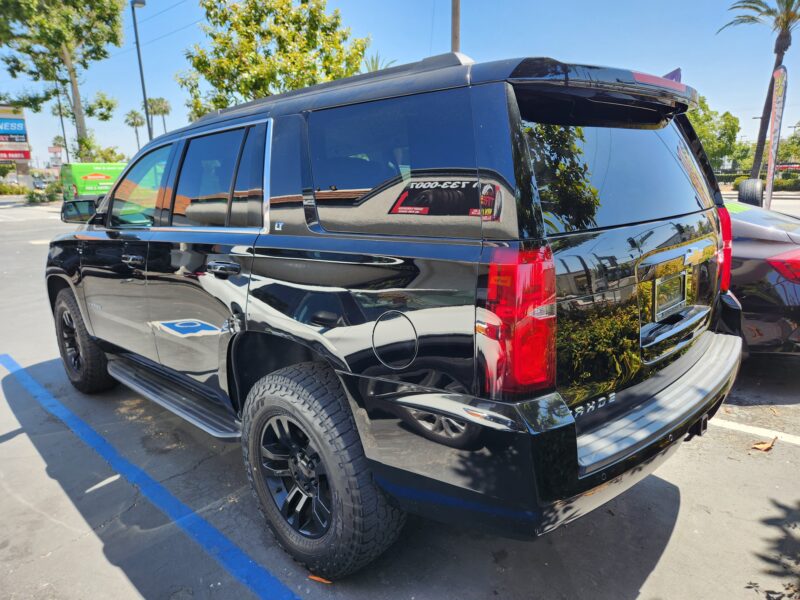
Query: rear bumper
(616,456)
(530,471)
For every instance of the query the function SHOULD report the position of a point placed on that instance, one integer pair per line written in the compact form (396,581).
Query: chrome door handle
(222,268)
(133,260)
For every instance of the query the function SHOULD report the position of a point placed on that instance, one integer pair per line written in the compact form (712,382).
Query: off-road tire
(363,521)
(91,376)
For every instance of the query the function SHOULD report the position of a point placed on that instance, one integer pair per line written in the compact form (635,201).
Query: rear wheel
(308,471)
(84,361)
(751,191)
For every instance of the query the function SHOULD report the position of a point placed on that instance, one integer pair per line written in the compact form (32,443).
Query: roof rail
(431,63)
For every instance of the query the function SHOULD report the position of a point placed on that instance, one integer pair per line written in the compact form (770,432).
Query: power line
(161,12)
(156,39)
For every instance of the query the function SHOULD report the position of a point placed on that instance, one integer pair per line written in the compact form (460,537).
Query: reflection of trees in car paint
(562,174)
(598,344)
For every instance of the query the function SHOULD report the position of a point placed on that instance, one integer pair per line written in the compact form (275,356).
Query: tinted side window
(134,200)
(247,205)
(206,176)
(404,166)
(286,176)
(590,177)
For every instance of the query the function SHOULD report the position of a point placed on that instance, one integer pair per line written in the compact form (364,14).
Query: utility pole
(134,5)
(61,116)
(455,25)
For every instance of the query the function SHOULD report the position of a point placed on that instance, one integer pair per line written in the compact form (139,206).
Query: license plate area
(669,296)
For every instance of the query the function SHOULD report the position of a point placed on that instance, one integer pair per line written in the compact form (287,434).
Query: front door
(114,258)
(200,260)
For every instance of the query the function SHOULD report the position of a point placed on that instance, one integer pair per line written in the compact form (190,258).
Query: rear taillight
(787,264)
(521,293)
(725,255)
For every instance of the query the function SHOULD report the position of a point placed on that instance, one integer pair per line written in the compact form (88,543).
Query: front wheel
(309,474)
(84,361)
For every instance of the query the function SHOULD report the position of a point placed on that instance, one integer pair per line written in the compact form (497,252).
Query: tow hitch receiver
(699,427)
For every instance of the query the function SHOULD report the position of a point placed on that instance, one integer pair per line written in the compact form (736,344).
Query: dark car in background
(765,277)
(492,294)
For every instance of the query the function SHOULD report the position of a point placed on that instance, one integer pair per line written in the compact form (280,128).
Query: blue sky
(731,68)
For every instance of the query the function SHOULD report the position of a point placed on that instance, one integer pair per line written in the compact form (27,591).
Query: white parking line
(39,242)
(759,431)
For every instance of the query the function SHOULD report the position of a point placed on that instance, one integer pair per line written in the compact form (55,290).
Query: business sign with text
(15,154)
(13,134)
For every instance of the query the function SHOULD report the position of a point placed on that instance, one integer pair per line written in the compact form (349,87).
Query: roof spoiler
(674,94)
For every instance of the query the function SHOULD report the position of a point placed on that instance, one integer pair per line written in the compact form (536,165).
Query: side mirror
(99,200)
(77,211)
(325,318)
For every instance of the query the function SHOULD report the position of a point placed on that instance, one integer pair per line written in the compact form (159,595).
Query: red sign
(15,154)
(96,177)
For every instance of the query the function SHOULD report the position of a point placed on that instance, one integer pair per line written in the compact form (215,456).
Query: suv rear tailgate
(633,226)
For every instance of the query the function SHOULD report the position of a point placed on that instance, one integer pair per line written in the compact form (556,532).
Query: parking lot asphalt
(111,496)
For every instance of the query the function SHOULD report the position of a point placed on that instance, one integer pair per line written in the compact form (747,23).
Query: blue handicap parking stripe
(235,560)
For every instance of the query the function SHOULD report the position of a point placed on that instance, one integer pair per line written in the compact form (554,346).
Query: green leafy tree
(133,118)
(789,149)
(89,150)
(59,141)
(159,107)
(782,16)
(55,41)
(742,156)
(716,131)
(376,63)
(262,47)
(5,170)
(102,107)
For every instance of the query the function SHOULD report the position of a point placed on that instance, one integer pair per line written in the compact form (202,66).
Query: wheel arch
(55,283)
(254,354)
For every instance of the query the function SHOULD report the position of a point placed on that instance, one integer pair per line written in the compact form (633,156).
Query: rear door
(200,259)
(633,229)
(377,265)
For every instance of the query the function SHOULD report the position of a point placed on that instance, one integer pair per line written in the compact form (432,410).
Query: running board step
(212,417)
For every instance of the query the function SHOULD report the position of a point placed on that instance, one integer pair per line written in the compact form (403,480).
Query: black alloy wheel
(296,476)
(69,342)
(85,363)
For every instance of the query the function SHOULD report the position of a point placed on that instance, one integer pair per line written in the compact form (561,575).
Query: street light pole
(134,5)
(455,26)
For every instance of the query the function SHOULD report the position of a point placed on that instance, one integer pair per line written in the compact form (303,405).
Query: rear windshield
(593,173)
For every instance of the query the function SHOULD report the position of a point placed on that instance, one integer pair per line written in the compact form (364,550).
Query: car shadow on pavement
(609,553)
(767,379)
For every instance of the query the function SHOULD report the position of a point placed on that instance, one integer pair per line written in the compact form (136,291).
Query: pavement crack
(137,495)
(194,467)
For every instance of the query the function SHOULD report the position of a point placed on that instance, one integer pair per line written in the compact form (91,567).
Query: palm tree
(375,63)
(133,118)
(159,107)
(783,17)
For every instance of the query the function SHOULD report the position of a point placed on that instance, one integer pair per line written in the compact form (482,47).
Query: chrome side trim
(265,226)
(265,184)
(240,125)
(193,229)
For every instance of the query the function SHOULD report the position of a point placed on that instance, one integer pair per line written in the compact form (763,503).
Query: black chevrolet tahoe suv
(491,294)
